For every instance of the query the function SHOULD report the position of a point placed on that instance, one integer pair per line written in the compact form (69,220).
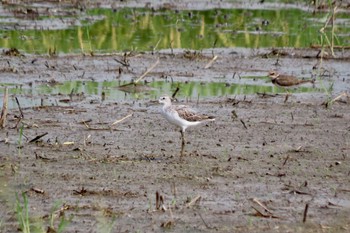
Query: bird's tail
(308,81)
(210,118)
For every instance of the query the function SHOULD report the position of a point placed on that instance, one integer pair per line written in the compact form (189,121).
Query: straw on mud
(68,143)
(4,109)
(122,119)
(85,122)
(86,125)
(261,205)
(285,161)
(206,225)
(194,201)
(211,62)
(147,71)
(339,97)
(37,190)
(142,76)
(327,104)
(260,214)
(298,149)
(167,224)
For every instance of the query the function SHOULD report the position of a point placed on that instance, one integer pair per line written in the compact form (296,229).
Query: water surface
(106,30)
(73,92)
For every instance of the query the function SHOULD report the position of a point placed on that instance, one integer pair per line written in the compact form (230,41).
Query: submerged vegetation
(107,30)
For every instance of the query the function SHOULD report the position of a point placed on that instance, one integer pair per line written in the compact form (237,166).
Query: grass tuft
(23,213)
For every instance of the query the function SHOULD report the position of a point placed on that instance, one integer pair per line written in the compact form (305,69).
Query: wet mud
(255,168)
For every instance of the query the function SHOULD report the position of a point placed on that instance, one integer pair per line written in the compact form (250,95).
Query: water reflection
(141,29)
(76,91)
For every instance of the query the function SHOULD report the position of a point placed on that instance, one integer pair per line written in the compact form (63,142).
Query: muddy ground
(254,169)
(282,155)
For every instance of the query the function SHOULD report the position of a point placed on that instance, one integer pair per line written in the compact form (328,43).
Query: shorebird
(287,81)
(182,116)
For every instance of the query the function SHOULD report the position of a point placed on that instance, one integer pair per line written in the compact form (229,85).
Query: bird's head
(164,99)
(273,74)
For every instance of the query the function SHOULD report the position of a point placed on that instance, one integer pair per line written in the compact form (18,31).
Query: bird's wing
(189,114)
(288,81)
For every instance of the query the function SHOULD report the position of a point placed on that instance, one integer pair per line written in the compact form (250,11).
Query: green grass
(27,223)
(104,224)
(22,212)
(63,221)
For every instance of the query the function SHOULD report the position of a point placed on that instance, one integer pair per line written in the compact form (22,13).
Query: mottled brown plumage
(286,80)
(189,115)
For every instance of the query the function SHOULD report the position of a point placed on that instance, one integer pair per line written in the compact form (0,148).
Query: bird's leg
(287,96)
(182,142)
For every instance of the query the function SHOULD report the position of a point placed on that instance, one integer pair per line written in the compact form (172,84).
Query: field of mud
(255,168)
(96,164)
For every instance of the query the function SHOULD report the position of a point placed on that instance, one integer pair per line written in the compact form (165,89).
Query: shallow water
(70,92)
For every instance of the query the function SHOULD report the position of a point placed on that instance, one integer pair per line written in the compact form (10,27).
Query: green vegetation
(144,30)
(22,212)
(29,224)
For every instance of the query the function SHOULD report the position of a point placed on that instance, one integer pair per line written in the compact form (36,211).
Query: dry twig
(122,119)
(305,212)
(194,201)
(329,103)
(38,137)
(210,63)
(147,71)
(261,205)
(266,213)
(3,114)
(260,214)
(19,107)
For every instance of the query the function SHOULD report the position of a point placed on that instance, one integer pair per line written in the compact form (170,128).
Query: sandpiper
(287,81)
(182,116)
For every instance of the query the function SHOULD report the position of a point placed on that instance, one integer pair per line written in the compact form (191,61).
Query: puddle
(67,93)
(106,30)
